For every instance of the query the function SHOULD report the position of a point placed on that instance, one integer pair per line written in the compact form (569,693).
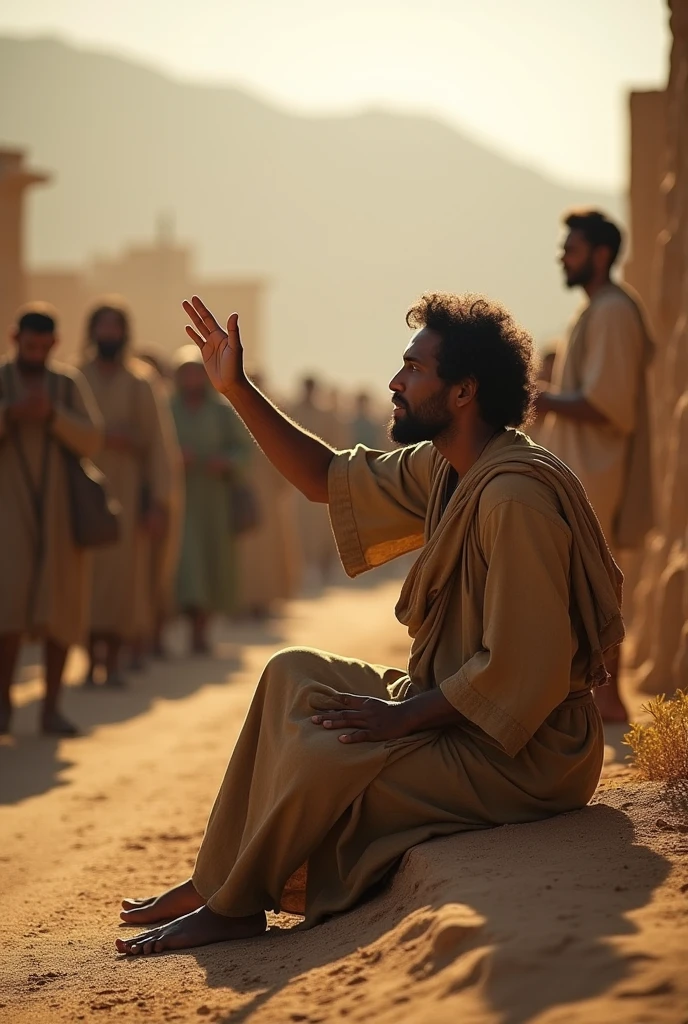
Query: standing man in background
(317,543)
(136,464)
(45,576)
(215,445)
(598,423)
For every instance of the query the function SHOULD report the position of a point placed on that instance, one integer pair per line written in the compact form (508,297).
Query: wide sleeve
(378,502)
(612,361)
(523,671)
(76,422)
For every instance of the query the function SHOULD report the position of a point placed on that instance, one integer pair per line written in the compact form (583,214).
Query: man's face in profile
(577,260)
(420,397)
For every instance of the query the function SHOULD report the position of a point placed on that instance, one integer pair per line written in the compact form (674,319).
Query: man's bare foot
(199,928)
(176,902)
(610,705)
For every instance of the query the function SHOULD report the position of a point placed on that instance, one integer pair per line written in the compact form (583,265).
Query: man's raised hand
(223,356)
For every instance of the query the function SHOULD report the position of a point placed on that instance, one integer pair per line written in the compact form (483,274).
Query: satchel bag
(94,514)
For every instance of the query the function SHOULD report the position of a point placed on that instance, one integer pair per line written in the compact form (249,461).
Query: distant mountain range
(350,218)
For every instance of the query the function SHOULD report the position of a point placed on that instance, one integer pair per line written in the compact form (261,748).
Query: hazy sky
(542,80)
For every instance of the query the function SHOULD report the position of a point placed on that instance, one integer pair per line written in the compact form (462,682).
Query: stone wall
(659,200)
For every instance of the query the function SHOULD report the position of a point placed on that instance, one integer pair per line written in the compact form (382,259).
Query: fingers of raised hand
(203,319)
(195,336)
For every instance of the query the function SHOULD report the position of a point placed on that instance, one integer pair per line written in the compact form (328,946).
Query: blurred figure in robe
(136,463)
(270,557)
(317,542)
(166,547)
(214,447)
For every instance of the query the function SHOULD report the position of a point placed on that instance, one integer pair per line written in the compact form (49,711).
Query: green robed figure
(512,603)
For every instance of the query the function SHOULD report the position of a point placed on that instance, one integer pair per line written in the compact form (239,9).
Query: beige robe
(165,550)
(45,596)
(511,605)
(606,361)
(121,599)
(270,554)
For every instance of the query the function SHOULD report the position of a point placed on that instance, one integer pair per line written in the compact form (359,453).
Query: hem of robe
(353,557)
(493,720)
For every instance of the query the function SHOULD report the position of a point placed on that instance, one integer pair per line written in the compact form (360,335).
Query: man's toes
(135,903)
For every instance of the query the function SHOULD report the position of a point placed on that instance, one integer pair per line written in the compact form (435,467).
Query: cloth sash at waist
(575,699)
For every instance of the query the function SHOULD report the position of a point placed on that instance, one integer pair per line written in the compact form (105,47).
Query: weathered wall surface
(659,269)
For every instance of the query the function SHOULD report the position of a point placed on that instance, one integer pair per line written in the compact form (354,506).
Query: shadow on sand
(542,941)
(31,764)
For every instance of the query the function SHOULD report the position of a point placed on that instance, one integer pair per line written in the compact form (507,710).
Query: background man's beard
(581,277)
(108,349)
(30,369)
(425,424)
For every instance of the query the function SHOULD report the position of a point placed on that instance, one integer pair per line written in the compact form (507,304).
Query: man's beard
(109,349)
(28,369)
(428,422)
(582,276)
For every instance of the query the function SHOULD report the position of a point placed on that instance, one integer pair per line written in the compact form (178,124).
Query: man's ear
(466,390)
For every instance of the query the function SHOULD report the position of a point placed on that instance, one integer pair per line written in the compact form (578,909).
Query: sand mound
(582,917)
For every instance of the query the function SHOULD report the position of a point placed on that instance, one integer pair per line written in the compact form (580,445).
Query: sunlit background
(345,156)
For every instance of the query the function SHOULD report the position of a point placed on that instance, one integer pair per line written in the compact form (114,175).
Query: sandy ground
(584,917)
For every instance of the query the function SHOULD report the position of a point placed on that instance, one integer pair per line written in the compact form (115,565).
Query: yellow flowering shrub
(660,749)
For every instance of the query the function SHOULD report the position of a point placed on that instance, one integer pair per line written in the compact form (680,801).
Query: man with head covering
(136,463)
(342,766)
(214,446)
(598,421)
(45,410)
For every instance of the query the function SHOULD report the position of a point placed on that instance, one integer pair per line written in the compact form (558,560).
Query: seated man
(342,766)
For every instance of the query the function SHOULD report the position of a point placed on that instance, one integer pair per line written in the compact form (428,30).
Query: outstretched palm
(223,356)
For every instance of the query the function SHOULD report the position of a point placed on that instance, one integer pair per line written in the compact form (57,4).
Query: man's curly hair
(480,339)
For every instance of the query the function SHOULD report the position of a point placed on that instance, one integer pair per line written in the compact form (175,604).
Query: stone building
(152,279)
(659,269)
(15,178)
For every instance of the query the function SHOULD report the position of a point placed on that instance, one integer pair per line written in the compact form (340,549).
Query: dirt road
(121,812)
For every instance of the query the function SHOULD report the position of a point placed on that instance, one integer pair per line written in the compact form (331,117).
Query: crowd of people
(203,525)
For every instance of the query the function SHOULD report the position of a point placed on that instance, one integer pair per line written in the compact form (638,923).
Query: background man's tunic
(207,572)
(498,639)
(165,549)
(56,605)
(606,361)
(122,572)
